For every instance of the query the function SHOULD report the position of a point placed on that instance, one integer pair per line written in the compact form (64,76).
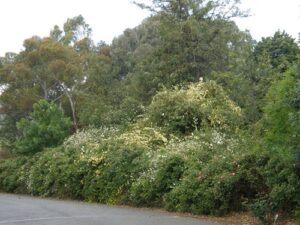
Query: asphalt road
(25,210)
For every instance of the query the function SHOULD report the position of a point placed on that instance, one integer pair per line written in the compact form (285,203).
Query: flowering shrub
(171,165)
(148,137)
(159,179)
(55,172)
(187,154)
(112,169)
(101,169)
(209,172)
(90,135)
(182,111)
(221,186)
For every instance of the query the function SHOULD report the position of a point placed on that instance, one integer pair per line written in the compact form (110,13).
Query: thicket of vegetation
(184,112)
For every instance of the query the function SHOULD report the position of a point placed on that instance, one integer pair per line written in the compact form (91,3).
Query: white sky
(20,19)
(269,16)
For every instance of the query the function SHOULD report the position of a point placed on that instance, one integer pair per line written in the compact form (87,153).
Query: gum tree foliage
(47,127)
(45,69)
(49,68)
(106,97)
(74,30)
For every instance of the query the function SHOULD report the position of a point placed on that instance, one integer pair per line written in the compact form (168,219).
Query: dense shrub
(9,174)
(200,105)
(173,165)
(111,170)
(91,165)
(160,179)
(56,172)
(223,185)
(209,172)
(279,135)
(281,193)
(195,176)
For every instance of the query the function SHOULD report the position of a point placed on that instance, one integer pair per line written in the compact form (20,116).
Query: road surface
(25,210)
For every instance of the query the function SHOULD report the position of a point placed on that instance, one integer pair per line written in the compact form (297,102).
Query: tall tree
(74,30)
(196,38)
(183,9)
(281,49)
(45,69)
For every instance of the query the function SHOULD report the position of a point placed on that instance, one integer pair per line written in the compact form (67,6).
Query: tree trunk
(72,104)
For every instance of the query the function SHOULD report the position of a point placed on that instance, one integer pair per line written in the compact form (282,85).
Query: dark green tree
(47,127)
(195,38)
(281,49)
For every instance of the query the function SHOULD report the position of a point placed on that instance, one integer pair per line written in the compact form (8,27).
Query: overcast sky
(20,19)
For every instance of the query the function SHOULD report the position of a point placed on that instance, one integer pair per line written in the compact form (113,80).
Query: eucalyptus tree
(44,70)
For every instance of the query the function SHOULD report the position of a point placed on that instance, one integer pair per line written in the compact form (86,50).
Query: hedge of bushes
(207,173)
(186,156)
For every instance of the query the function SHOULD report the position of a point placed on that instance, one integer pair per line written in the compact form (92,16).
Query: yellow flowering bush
(200,105)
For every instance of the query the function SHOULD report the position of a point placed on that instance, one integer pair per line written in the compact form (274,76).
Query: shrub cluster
(182,111)
(207,173)
(208,168)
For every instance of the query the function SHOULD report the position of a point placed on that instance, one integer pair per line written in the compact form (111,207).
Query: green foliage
(193,42)
(242,91)
(172,104)
(280,123)
(281,49)
(218,177)
(297,214)
(159,179)
(172,166)
(281,192)
(47,128)
(91,166)
(109,163)
(9,174)
(74,30)
(44,70)
(111,171)
(56,172)
(209,172)
(200,105)
(279,129)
